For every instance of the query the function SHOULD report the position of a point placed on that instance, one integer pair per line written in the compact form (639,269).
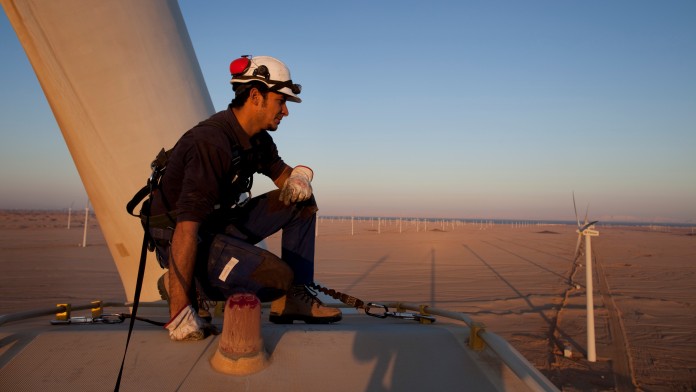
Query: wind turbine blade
(576,211)
(577,247)
(588,225)
(586,212)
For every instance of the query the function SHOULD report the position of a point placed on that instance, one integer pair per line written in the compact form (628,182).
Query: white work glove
(187,325)
(298,187)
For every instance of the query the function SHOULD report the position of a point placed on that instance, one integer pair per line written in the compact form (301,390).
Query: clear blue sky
(470,109)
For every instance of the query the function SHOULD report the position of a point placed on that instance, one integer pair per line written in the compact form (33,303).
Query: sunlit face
(273,109)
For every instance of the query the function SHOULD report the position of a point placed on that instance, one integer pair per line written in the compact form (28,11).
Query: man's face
(273,110)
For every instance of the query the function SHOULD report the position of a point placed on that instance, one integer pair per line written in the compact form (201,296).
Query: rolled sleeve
(203,173)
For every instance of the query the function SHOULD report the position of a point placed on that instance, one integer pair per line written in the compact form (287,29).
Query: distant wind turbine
(84,233)
(587,231)
(70,214)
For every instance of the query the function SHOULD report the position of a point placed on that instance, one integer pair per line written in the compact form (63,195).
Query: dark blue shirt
(201,169)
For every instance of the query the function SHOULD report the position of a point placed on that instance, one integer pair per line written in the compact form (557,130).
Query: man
(202,192)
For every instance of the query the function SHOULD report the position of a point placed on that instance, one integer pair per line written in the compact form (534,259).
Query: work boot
(202,305)
(302,304)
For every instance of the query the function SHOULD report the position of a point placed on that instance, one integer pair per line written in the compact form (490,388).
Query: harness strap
(137,198)
(158,166)
(138,287)
(124,316)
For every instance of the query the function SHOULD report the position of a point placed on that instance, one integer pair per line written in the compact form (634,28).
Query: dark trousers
(235,265)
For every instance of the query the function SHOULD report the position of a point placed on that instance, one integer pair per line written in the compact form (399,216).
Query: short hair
(242,91)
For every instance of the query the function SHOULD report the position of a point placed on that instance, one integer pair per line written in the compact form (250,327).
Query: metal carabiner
(410,316)
(155,171)
(110,319)
(401,315)
(242,199)
(371,304)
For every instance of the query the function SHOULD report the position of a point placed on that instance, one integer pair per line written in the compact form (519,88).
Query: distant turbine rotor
(581,228)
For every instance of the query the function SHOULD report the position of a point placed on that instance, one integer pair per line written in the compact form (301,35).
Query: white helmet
(271,71)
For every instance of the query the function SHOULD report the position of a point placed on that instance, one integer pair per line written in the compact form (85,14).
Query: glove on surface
(187,325)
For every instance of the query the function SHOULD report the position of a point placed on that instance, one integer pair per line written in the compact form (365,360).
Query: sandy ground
(520,281)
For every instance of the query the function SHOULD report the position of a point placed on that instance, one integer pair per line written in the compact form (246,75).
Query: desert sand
(519,280)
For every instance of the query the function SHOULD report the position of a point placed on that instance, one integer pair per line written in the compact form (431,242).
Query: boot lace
(306,294)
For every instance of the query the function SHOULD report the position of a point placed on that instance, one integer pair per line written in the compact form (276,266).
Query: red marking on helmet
(239,66)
